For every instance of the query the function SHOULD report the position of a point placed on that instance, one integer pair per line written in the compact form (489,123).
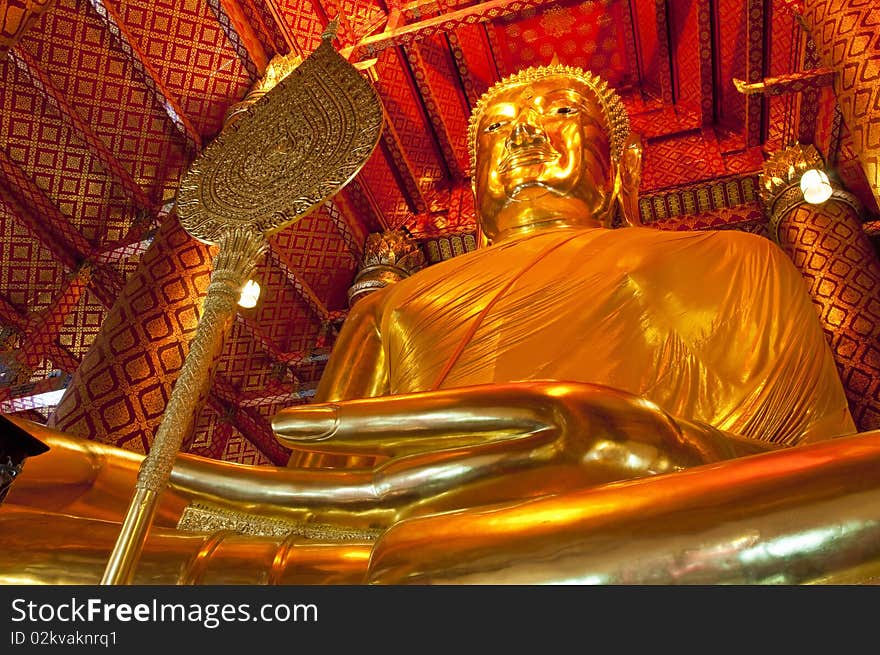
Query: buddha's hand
(589,425)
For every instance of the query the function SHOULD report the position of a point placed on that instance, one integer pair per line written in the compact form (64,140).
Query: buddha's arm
(357,367)
(83,478)
(490,433)
(459,448)
(589,422)
(445,450)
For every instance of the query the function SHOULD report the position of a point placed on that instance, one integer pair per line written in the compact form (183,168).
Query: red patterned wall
(842,273)
(848,40)
(120,390)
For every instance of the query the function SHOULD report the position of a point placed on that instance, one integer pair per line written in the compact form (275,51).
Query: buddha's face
(542,155)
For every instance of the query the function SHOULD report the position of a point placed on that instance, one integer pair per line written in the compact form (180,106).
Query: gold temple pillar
(120,390)
(828,245)
(844,32)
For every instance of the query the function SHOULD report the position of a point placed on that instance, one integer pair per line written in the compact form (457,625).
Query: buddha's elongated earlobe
(630,177)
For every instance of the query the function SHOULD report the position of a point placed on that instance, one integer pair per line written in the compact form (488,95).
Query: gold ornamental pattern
(295,147)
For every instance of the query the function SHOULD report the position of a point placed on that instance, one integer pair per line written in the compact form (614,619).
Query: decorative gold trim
(203,517)
(785,168)
(388,258)
(278,68)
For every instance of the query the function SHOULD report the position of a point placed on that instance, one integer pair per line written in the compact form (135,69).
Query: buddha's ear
(630,176)
(481,239)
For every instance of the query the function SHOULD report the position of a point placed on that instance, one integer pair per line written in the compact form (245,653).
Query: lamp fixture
(815,186)
(250,293)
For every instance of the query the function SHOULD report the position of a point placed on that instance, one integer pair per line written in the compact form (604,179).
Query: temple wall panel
(120,391)
(841,269)
(846,35)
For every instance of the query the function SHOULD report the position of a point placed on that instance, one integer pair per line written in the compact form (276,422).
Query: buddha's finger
(436,420)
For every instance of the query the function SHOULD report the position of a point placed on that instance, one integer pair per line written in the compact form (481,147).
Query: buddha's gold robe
(713,326)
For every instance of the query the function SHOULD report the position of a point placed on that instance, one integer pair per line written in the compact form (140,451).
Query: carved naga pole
(278,160)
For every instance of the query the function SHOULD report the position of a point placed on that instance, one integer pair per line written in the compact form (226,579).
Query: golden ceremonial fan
(290,151)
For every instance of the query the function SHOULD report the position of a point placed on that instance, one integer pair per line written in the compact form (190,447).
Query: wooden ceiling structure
(104,103)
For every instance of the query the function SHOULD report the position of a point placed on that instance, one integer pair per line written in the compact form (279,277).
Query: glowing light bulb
(250,293)
(815,186)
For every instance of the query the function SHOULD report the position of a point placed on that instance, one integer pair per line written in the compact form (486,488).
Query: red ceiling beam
(629,38)
(257,429)
(754,120)
(36,212)
(10,316)
(26,63)
(809,105)
(292,360)
(808,83)
(400,164)
(240,36)
(270,27)
(249,422)
(664,52)
(261,338)
(280,260)
(60,356)
(44,327)
(468,83)
(151,79)
(393,150)
(707,67)
(357,194)
(219,437)
(350,230)
(836,136)
(437,123)
(106,283)
(133,245)
(370,46)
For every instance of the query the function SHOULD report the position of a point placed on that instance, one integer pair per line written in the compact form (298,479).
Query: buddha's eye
(565,110)
(494,127)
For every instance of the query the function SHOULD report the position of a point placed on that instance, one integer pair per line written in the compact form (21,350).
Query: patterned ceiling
(103,104)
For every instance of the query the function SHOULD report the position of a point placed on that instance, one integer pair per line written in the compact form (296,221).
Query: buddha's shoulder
(728,237)
(446,268)
(423,281)
(733,245)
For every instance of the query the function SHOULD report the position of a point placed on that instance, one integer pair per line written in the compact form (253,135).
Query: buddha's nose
(525,132)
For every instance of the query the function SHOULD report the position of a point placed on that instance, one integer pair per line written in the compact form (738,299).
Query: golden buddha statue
(472,416)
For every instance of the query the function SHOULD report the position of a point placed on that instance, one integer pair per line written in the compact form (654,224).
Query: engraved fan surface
(296,146)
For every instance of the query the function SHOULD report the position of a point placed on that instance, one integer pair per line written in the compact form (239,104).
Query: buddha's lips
(526,157)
